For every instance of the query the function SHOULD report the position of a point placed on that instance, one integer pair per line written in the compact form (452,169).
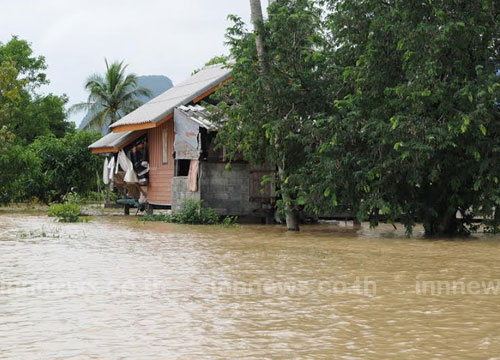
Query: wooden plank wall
(160,175)
(263,194)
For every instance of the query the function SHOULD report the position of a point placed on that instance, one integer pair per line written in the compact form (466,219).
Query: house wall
(180,193)
(227,191)
(160,174)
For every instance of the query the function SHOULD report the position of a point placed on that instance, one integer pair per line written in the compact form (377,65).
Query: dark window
(182,167)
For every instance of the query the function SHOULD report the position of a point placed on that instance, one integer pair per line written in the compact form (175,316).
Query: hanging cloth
(111,168)
(131,176)
(126,164)
(117,165)
(123,161)
(105,172)
(192,180)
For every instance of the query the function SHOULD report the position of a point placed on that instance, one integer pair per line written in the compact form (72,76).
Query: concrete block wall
(227,191)
(180,193)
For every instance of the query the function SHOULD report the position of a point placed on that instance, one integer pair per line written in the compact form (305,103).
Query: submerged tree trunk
(292,218)
(291,213)
(447,224)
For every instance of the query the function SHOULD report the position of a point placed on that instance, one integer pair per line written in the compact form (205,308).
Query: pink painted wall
(161,175)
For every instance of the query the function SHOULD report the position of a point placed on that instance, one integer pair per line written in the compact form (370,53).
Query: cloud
(157,37)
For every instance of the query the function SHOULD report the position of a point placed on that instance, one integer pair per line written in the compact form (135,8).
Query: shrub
(87,198)
(192,212)
(229,221)
(65,212)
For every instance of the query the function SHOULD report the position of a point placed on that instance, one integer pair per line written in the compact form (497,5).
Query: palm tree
(111,96)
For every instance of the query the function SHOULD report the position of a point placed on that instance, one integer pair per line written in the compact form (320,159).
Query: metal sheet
(187,145)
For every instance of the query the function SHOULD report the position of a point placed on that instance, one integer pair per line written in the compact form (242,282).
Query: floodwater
(115,288)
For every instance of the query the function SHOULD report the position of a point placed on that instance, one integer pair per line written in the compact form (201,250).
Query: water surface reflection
(116,288)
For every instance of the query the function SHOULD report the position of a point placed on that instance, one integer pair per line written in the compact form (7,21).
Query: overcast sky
(155,37)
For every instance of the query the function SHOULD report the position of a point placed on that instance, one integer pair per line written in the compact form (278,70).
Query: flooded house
(164,152)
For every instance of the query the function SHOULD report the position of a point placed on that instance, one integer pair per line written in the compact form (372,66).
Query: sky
(154,37)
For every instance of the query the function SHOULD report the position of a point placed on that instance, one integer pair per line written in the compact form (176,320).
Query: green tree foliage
(417,130)
(23,111)
(41,155)
(64,165)
(15,162)
(111,95)
(10,89)
(269,115)
(388,109)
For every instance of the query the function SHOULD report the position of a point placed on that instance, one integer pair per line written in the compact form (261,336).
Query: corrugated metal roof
(116,140)
(182,94)
(199,115)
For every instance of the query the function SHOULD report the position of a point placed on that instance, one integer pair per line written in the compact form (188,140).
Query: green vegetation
(23,111)
(15,164)
(388,110)
(193,212)
(279,95)
(67,213)
(64,165)
(111,95)
(42,156)
(90,197)
(230,221)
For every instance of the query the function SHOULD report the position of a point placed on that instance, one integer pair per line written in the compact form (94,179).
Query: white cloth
(128,167)
(117,166)
(111,168)
(105,172)
(123,161)
(131,176)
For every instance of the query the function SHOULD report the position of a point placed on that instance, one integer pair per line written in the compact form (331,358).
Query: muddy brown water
(115,288)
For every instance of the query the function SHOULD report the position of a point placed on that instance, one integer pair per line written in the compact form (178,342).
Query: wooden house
(170,142)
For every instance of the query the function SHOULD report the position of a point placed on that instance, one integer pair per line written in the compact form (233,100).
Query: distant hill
(158,84)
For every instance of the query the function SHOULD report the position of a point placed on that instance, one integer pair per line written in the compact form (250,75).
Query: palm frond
(76,108)
(112,94)
(131,105)
(98,120)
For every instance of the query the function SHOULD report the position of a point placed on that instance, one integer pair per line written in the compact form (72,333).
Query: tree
(111,95)
(64,165)
(26,113)
(417,132)
(10,90)
(15,161)
(41,155)
(270,106)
